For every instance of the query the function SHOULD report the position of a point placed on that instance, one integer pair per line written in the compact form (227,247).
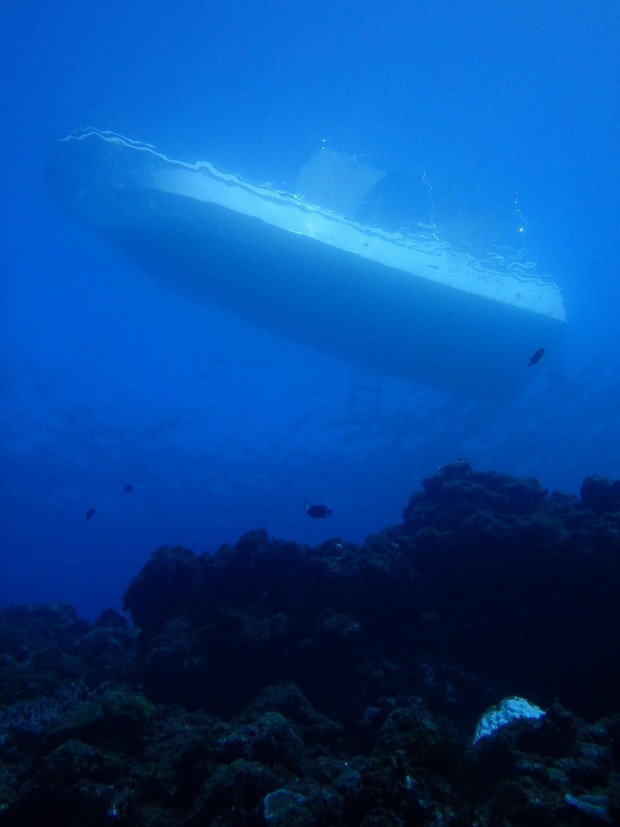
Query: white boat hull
(382,301)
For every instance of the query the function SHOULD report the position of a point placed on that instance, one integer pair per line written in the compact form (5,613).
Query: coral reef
(272,683)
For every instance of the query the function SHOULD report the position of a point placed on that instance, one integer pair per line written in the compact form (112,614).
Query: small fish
(90,513)
(317,510)
(128,488)
(536,357)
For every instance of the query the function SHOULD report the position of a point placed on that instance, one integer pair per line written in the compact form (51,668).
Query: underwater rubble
(459,669)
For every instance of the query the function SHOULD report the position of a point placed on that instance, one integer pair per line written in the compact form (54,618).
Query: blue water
(108,378)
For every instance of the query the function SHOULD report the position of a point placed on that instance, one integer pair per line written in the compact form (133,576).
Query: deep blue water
(107,378)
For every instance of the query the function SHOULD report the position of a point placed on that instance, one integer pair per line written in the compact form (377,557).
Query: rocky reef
(272,683)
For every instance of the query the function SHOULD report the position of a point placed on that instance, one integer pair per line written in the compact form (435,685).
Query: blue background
(107,378)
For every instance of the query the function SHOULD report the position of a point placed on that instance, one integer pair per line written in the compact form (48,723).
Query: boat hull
(278,262)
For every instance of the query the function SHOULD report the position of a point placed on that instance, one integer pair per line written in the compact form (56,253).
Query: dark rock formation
(270,683)
(488,572)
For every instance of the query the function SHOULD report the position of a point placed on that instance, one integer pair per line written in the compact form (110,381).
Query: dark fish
(536,357)
(90,513)
(128,488)
(318,510)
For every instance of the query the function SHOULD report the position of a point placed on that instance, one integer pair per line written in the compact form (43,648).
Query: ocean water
(499,125)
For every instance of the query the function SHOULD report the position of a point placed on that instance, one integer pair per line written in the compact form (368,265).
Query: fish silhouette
(536,357)
(318,511)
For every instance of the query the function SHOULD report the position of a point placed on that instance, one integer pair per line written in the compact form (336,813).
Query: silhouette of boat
(398,304)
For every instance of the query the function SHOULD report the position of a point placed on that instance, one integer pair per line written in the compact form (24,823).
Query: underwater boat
(388,302)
